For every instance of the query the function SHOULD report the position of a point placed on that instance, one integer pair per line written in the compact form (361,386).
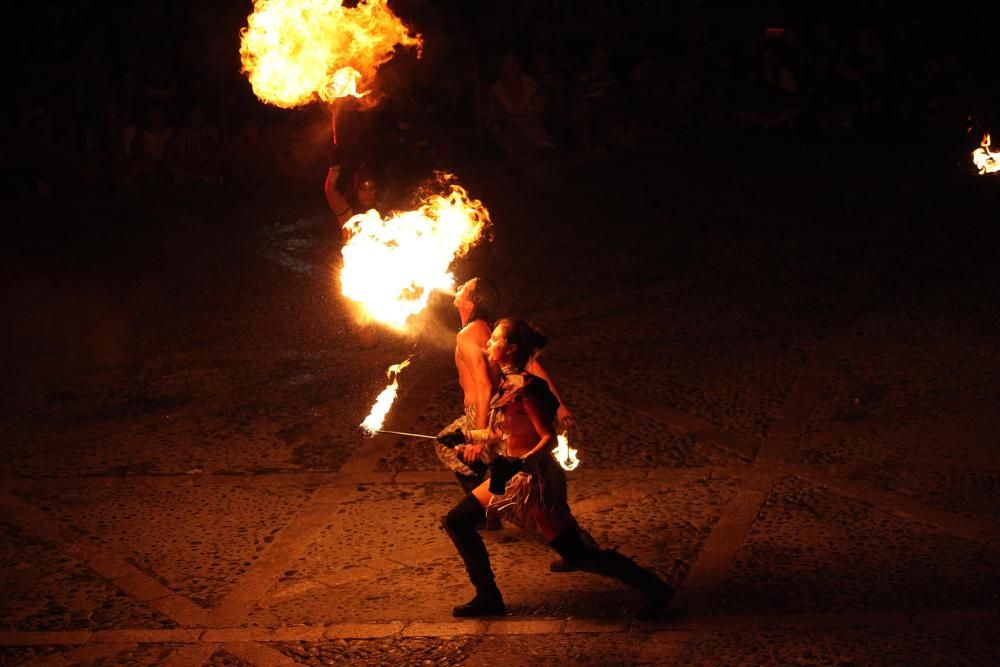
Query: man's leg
(468,482)
(460,524)
(469,477)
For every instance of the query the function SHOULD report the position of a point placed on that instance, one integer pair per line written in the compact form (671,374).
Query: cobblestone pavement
(788,409)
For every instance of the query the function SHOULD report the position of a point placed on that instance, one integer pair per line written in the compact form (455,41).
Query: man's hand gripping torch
(452,440)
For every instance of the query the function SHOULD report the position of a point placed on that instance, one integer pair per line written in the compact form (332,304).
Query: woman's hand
(470,453)
(565,417)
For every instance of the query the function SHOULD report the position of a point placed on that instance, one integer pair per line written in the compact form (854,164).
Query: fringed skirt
(535,500)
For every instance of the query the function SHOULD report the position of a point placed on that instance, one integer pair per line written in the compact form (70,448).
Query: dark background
(783,294)
(84,78)
(114,257)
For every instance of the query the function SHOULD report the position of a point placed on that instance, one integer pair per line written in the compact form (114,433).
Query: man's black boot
(460,525)
(486,603)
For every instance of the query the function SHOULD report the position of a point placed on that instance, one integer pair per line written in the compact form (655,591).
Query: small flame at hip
(564,454)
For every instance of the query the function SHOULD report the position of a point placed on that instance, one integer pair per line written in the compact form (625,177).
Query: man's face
(464,296)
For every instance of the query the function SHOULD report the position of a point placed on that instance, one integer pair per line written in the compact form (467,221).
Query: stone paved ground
(785,372)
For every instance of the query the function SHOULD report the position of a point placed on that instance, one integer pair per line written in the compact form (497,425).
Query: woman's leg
(608,562)
(460,524)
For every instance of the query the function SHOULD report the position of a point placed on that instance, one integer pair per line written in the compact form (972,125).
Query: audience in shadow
(150,95)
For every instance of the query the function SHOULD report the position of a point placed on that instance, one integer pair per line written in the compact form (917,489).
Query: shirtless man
(476,303)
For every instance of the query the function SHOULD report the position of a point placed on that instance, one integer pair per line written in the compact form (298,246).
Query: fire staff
(527,486)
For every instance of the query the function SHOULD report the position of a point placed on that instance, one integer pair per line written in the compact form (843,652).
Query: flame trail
(564,454)
(392,264)
(298,51)
(986,161)
(373,422)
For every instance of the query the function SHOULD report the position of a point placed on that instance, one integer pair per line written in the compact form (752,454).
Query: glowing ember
(565,455)
(373,422)
(986,161)
(298,51)
(391,265)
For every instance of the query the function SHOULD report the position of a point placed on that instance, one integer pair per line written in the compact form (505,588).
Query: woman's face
(366,193)
(498,350)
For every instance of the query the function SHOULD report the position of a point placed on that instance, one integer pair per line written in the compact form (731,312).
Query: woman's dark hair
(485,298)
(526,337)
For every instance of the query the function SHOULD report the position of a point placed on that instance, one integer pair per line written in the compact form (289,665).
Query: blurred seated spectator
(648,116)
(516,108)
(863,75)
(822,50)
(36,147)
(933,96)
(252,159)
(194,155)
(595,102)
(158,84)
(552,88)
(772,97)
(145,147)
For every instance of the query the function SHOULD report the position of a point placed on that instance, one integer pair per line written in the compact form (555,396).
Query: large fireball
(392,264)
(298,51)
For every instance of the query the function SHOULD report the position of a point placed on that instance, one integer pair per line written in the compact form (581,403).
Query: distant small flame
(986,161)
(392,264)
(373,422)
(565,455)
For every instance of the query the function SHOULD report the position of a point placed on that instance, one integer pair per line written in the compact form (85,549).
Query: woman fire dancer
(527,487)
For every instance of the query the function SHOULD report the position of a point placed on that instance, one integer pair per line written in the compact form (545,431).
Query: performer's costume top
(537,493)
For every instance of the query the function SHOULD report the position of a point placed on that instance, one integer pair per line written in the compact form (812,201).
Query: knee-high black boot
(468,483)
(608,562)
(460,524)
